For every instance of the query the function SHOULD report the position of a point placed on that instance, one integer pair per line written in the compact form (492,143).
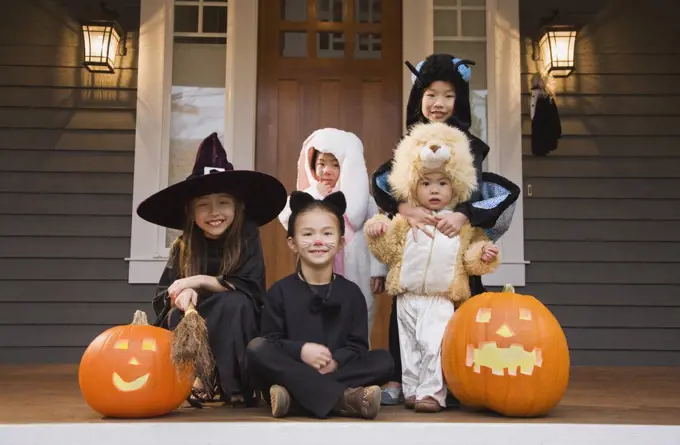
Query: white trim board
(148,254)
(504,105)
(341,433)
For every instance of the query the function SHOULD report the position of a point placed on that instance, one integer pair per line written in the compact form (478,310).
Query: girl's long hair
(192,245)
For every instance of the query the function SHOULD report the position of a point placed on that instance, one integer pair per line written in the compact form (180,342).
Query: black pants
(232,322)
(315,392)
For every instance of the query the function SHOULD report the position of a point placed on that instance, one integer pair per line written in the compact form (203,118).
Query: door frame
(148,254)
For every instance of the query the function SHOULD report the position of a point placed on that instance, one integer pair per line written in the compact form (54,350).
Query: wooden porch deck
(633,396)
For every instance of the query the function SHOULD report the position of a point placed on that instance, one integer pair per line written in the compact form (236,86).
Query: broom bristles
(191,349)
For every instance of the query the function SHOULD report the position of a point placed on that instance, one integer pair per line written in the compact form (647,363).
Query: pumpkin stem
(140,318)
(509,288)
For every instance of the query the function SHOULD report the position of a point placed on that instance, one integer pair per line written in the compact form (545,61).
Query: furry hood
(433,146)
(353,180)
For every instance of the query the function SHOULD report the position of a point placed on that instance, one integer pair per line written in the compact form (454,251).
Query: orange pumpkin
(127,372)
(506,352)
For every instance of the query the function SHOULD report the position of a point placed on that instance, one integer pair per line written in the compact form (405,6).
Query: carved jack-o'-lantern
(506,352)
(127,372)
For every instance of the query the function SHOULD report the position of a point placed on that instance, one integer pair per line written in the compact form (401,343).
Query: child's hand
(489,253)
(419,217)
(377,284)
(376,229)
(184,298)
(451,223)
(323,188)
(331,367)
(178,286)
(315,355)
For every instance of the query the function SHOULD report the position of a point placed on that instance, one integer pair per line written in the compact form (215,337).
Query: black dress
(333,315)
(490,207)
(232,317)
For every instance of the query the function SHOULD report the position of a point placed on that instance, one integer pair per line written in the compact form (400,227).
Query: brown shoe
(280,399)
(360,402)
(410,402)
(427,405)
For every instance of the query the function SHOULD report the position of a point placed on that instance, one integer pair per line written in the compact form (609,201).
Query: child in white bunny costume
(332,160)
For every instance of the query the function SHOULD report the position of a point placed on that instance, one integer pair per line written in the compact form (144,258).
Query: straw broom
(191,348)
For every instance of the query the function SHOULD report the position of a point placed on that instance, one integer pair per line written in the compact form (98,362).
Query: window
(198,103)
(460,29)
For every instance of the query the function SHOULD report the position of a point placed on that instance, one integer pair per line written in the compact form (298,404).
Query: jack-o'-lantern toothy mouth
(498,359)
(122,385)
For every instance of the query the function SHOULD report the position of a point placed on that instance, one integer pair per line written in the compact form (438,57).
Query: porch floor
(617,396)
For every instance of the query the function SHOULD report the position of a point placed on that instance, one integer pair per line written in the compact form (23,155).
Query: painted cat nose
(434,148)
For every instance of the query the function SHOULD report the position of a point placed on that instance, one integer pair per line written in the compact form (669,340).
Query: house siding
(602,212)
(66,169)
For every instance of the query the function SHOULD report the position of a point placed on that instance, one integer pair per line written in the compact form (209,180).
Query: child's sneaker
(280,400)
(391,396)
(427,405)
(360,402)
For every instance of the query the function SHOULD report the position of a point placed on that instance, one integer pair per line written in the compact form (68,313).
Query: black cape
(248,278)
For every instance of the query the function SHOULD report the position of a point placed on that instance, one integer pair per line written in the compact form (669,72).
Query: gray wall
(66,163)
(601,227)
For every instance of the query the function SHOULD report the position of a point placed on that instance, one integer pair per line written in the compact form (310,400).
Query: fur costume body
(358,265)
(429,276)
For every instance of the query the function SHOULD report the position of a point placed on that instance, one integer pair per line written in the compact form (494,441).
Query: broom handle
(190,309)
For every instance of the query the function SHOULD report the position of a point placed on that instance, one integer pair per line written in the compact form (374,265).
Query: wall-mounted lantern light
(103,41)
(556,47)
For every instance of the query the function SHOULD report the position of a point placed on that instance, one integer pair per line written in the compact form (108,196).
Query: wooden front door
(324,63)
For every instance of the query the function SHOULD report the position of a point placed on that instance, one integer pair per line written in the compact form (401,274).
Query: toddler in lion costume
(429,273)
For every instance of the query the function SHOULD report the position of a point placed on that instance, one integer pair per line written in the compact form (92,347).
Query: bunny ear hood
(353,180)
(433,146)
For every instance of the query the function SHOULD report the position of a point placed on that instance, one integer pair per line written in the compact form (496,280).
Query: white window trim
(503,107)
(148,254)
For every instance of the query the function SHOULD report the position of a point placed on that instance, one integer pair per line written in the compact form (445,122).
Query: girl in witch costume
(333,160)
(216,265)
(441,93)
(313,354)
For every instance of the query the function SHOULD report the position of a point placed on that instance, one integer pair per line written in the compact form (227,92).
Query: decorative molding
(505,128)
(417,41)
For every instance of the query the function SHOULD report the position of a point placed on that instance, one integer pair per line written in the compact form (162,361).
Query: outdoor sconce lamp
(556,47)
(104,40)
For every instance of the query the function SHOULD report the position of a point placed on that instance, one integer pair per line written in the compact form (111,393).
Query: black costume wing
(491,206)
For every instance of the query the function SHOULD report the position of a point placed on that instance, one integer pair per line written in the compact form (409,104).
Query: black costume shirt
(294,315)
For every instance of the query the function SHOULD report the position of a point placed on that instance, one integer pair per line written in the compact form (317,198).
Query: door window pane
(367,11)
(294,10)
(367,46)
(293,43)
(330,44)
(330,10)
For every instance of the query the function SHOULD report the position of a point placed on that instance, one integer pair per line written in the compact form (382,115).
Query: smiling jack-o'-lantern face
(148,344)
(127,372)
(506,352)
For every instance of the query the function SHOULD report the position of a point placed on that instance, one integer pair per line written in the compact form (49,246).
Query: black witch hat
(447,68)
(263,196)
